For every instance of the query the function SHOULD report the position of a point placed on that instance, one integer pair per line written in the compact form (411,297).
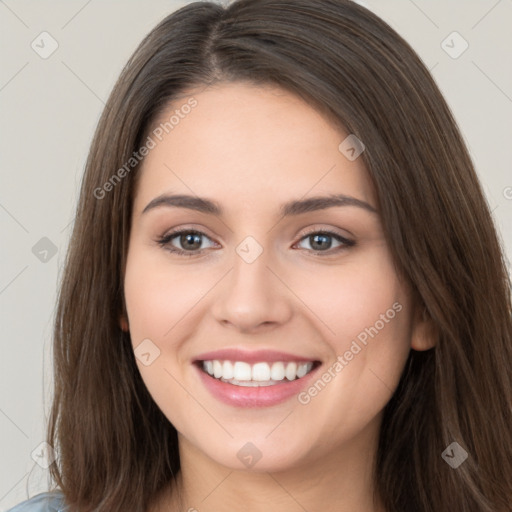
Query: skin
(251,149)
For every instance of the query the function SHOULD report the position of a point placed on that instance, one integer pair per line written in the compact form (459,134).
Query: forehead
(249,145)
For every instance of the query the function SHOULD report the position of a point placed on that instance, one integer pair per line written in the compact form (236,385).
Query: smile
(241,373)
(254,378)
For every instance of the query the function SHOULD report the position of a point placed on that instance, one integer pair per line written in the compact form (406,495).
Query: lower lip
(262,396)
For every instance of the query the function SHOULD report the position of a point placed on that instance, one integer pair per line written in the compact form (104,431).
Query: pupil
(191,239)
(318,240)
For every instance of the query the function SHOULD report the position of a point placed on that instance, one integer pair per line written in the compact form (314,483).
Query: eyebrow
(290,208)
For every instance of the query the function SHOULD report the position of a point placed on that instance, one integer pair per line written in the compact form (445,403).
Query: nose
(252,296)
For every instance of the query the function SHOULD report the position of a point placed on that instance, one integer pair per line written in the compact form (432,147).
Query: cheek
(351,297)
(159,296)
(160,300)
(365,311)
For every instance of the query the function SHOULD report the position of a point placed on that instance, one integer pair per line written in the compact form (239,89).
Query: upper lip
(251,356)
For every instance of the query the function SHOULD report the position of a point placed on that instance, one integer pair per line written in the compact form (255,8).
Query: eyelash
(165,240)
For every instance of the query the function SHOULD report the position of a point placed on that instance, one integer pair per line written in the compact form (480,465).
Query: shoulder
(45,502)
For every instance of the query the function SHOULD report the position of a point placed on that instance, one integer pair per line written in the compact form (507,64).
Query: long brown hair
(116,450)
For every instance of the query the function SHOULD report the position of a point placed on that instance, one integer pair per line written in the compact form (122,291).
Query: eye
(321,241)
(190,241)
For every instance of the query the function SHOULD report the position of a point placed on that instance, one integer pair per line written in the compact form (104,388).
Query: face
(293,303)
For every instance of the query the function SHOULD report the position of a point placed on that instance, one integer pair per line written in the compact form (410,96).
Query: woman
(284,289)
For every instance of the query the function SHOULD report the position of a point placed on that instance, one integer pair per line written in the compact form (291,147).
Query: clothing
(45,502)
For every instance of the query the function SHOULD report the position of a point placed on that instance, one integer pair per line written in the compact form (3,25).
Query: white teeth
(260,372)
(217,369)
(208,367)
(291,371)
(228,371)
(241,373)
(302,369)
(277,372)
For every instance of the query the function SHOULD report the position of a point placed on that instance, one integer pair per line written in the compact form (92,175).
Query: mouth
(254,379)
(260,374)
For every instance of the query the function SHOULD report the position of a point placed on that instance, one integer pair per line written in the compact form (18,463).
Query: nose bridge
(252,295)
(250,266)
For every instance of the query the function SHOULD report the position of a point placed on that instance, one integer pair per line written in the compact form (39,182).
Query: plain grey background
(51,103)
